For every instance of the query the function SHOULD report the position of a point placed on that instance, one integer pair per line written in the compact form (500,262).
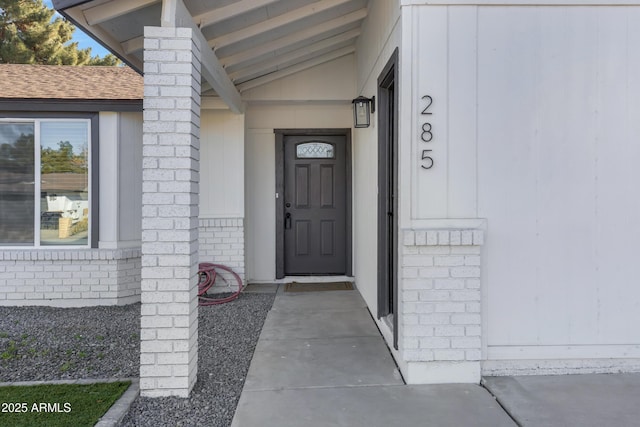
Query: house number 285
(426,134)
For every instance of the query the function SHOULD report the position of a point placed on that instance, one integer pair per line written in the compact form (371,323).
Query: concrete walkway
(321,361)
(586,400)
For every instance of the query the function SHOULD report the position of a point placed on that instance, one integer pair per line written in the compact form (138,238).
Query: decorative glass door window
(45,183)
(315,150)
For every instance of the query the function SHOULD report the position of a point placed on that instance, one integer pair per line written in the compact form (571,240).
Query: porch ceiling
(252,42)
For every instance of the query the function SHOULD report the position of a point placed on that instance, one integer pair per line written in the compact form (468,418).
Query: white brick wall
(440,293)
(171,157)
(222,242)
(69,277)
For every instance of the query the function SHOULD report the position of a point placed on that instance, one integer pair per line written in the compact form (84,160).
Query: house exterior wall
(533,119)
(109,274)
(70,278)
(381,35)
(556,180)
(284,104)
(222,205)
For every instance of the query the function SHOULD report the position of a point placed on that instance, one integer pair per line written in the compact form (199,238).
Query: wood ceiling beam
(273,23)
(292,57)
(226,12)
(133,45)
(176,14)
(296,68)
(283,42)
(113,9)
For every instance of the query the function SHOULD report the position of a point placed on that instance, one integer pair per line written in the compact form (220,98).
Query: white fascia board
(176,14)
(113,9)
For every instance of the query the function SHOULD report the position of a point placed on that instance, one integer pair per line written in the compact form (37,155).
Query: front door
(314,205)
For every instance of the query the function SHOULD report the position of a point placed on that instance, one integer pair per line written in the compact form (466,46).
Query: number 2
(429,102)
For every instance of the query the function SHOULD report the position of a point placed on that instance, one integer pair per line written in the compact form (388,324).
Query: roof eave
(61,5)
(64,4)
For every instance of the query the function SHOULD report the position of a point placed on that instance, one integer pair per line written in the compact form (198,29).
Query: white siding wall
(221,217)
(558,129)
(222,164)
(535,119)
(380,36)
(316,98)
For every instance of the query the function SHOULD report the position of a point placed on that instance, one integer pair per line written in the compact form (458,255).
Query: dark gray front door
(315,205)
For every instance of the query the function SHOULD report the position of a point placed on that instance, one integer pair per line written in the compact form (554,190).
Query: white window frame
(38,182)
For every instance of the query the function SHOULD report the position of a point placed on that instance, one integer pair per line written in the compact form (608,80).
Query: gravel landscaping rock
(43,343)
(227,337)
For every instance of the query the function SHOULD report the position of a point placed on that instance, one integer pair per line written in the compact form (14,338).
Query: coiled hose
(208,274)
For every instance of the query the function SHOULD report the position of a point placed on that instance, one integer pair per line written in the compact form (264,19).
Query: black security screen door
(315,205)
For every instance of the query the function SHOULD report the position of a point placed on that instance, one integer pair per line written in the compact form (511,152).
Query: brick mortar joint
(81,254)
(443,237)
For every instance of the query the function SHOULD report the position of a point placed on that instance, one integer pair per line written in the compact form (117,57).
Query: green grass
(58,405)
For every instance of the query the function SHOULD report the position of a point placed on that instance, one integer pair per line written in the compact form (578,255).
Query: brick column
(441,305)
(171,144)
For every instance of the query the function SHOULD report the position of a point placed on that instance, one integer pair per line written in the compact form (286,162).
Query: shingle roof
(19,81)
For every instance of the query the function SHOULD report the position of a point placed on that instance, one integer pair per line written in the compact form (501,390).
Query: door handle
(287,221)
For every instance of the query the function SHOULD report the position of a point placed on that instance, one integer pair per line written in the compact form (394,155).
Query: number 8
(427,132)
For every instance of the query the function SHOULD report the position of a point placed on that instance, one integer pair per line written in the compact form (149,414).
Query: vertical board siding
(431,32)
(557,147)
(443,65)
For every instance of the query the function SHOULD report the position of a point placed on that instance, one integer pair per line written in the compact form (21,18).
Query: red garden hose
(208,274)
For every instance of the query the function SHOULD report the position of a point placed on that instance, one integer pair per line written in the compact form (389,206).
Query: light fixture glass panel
(361,113)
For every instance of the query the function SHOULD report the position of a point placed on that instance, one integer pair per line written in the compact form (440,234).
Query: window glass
(17,184)
(314,150)
(64,183)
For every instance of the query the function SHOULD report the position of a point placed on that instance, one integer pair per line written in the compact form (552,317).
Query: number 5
(426,157)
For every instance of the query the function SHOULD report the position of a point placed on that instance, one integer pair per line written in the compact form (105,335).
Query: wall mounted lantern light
(362,110)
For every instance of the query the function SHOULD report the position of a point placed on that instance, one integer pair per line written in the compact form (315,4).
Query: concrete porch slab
(321,363)
(318,324)
(381,406)
(586,400)
(327,300)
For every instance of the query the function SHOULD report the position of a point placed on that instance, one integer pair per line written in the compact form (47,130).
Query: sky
(84,41)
